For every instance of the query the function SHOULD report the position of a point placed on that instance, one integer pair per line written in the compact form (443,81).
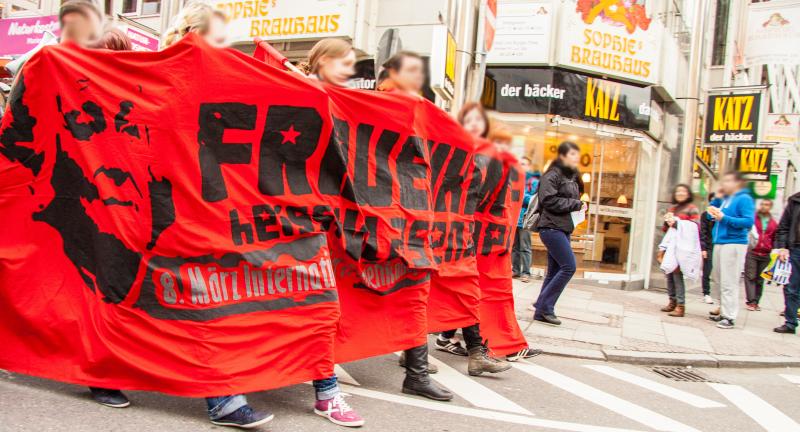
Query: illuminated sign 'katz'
(733,119)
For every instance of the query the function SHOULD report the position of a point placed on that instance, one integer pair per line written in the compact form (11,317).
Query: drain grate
(684,374)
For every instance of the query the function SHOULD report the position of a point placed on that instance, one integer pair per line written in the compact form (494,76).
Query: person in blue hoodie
(521,253)
(734,219)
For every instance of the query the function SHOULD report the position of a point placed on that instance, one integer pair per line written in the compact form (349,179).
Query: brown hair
(469,106)
(331,47)
(114,39)
(194,16)
(83,7)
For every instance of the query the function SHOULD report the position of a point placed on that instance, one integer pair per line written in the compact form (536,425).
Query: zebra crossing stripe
(630,410)
(656,387)
(769,417)
(452,408)
(343,376)
(794,379)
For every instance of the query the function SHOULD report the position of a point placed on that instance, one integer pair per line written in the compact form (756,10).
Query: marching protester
(405,72)
(758,257)
(707,244)
(787,241)
(734,218)
(682,210)
(476,122)
(559,193)
(81,22)
(114,39)
(521,253)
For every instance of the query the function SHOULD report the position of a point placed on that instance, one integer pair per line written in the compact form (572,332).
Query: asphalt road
(543,394)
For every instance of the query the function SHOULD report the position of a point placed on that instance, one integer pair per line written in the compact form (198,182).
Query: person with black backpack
(558,203)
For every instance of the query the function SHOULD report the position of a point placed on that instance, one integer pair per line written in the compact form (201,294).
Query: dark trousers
(472,335)
(560,268)
(708,264)
(753,283)
(521,253)
(791,291)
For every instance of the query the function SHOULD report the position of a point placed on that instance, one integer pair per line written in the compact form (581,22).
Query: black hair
(566,146)
(736,175)
(688,199)
(711,196)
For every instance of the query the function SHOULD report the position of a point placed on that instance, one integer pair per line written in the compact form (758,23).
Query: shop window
(720,33)
(151,7)
(130,6)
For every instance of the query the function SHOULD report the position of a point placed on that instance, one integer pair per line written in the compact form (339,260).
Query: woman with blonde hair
(198,18)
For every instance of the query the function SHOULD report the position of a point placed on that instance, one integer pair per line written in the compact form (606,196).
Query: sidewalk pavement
(627,326)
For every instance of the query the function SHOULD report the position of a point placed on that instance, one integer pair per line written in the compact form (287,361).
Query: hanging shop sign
(288,19)
(782,128)
(20,35)
(773,33)
(522,34)
(613,38)
(442,64)
(732,118)
(568,94)
(755,163)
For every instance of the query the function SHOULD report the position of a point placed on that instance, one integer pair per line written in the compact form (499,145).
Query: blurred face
(411,76)
(571,159)
(765,207)
(217,34)
(337,71)
(681,194)
(525,164)
(502,145)
(474,123)
(82,28)
(730,185)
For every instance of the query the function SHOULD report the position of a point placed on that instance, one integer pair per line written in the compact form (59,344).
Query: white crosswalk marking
(656,387)
(343,376)
(794,379)
(479,413)
(620,406)
(473,392)
(769,417)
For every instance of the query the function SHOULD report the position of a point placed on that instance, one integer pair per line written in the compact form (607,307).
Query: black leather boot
(417,381)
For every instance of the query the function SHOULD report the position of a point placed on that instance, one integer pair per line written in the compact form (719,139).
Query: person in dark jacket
(787,241)
(559,201)
(707,244)
(758,256)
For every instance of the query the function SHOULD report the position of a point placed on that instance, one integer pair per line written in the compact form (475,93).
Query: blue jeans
(326,388)
(791,291)
(560,268)
(221,406)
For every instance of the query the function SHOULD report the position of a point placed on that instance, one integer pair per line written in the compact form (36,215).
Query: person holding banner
(787,241)
(559,193)
(81,22)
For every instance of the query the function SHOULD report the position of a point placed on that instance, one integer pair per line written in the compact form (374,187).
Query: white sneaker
(708,300)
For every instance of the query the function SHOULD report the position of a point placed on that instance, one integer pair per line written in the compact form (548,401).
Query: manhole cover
(684,374)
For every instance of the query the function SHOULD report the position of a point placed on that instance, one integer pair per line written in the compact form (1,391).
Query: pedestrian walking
(758,255)
(707,244)
(521,252)
(476,122)
(734,219)
(787,241)
(682,209)
(559,204)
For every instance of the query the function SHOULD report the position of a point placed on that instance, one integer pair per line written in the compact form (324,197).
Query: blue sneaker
(245,418)
(108,397)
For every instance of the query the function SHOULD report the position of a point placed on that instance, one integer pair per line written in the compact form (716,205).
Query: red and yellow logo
(624,13)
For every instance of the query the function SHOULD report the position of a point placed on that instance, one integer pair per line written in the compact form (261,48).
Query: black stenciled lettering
(381,193)
(240,229)
(214,119)
(438,158)
(499,202)
(264,218)
(300,218)
(291,136)
(411,166)
(457,233)
(333,178)
(516,194)
(416,242)
(494,236)
(452,183)
(480,162)
(83,131)
(121,123)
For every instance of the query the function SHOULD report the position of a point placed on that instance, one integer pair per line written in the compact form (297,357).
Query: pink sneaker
(338,411)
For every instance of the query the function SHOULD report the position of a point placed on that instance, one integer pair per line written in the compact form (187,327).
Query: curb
(671,359)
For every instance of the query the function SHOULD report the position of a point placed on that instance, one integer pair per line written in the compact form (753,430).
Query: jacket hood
(795,198)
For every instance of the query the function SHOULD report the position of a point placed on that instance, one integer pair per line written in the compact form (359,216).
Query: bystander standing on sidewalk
(682,210)
(787,241)
(521,253)
(707,244)
(734,219)
(758,255)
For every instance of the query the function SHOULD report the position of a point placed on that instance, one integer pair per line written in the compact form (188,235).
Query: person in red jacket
(758,256)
